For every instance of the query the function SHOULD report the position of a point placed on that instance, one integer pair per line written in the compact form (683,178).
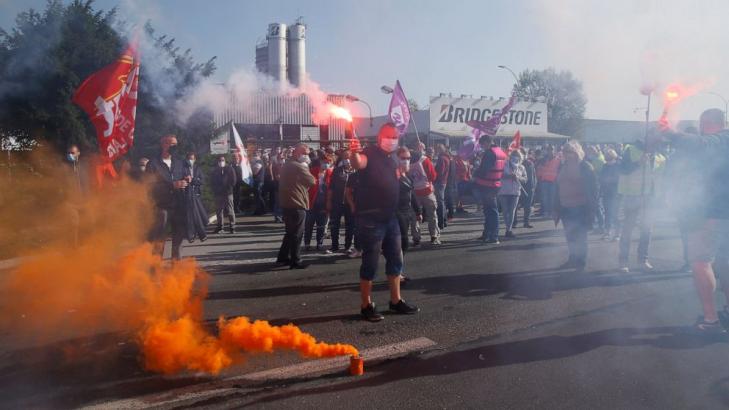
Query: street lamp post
(388,90)
(726,106)
(352,98)
(516,79)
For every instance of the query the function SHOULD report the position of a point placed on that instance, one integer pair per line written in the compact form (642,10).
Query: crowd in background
(608,190)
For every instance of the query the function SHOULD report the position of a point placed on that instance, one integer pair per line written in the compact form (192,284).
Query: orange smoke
(112,281)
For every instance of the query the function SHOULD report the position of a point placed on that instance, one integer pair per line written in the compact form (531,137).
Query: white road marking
(310,368)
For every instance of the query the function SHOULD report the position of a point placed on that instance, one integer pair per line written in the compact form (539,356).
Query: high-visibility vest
(492,177)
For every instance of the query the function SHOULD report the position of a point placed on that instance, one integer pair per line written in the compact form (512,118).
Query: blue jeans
(490,211)
(315,216)
(379,237)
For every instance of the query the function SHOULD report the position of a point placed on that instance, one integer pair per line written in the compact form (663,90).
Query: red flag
(109,97)
(516,142)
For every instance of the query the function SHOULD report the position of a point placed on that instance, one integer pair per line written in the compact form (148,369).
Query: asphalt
(511,331)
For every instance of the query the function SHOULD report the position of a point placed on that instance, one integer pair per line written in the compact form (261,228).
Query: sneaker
(355,254)
(510,234)
(298,266)
(435,241)
(307,248)
(708,328)
(328,252)
(685,268)
(371,314)
(218,229)
(231,230)
(492,241)
(403,308)
(528,226)
(624,269)
(724,317)
(646,267)
(416,242)
(570,264)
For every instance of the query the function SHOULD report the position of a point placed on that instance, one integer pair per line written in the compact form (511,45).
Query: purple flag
(491,126)
(399,112)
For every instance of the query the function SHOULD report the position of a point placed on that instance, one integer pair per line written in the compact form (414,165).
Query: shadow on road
(528,285)
(75,372)
(515,352)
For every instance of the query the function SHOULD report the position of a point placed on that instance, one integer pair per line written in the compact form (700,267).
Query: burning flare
(341,113)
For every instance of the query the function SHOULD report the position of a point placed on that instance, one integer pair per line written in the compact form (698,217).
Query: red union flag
(109,97)
(516,142)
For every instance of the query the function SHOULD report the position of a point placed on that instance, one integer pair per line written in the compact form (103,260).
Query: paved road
(511,331)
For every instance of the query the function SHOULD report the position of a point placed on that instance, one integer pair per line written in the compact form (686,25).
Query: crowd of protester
(388,196)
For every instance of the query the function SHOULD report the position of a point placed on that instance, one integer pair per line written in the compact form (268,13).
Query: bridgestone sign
(448,115)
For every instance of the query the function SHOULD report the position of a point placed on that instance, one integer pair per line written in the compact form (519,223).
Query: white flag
(245,166)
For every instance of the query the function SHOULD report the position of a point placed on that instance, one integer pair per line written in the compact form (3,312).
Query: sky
(354,47)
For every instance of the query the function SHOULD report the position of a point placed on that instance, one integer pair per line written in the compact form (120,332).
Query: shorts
(709,241)
(377,238)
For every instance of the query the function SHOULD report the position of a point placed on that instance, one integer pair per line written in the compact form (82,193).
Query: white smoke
(617,47)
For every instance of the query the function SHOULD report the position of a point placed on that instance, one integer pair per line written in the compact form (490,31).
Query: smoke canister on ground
(356,366)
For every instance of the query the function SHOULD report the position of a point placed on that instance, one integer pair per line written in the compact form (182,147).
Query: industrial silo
(277,51)
(297,54)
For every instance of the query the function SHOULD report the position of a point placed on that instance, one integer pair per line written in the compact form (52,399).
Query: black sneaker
(403,308)
(371,314)
(492,241)
(298,266)
(724,317)
(231,230)
(218,229)
(708,328)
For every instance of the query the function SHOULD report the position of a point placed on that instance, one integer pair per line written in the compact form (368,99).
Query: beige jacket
(294,185)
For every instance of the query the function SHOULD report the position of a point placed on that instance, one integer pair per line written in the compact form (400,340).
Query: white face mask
(221,164)
(405,165)
(388,144)
(304,159)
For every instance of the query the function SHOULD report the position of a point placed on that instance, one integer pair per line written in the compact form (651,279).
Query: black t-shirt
(378,189)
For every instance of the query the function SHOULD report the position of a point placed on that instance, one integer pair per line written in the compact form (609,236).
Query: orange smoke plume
(112,281)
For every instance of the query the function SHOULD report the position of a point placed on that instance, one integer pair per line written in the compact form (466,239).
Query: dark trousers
(439,190)
(335,221)
(237,197)
(290,251)
(404,219)
(176,221)
(258,195)
(575,231)
(490,211)
(316,216)
(548,190)
(450,200)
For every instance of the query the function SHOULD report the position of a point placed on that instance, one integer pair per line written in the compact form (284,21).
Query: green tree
(564,97)
(46,56)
